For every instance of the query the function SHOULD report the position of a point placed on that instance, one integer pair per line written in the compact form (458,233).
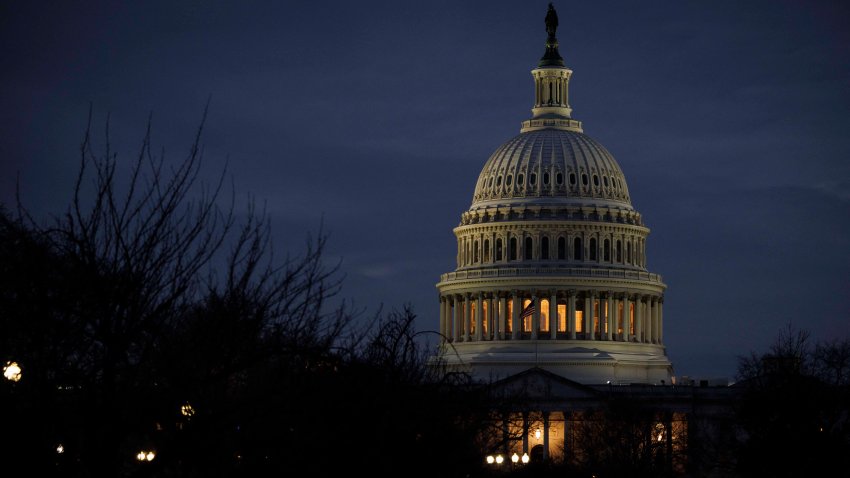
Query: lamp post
(12,371)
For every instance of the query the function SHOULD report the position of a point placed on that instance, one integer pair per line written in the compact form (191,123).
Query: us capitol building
(551,257)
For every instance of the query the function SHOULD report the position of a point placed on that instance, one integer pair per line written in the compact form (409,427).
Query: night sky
(730,120)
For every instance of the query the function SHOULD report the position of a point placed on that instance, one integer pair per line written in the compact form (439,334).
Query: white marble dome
(551,258)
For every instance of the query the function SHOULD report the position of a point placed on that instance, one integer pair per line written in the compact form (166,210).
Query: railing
(552,272)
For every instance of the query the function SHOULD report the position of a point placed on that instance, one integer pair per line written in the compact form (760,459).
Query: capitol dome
(551,166)
(551,257)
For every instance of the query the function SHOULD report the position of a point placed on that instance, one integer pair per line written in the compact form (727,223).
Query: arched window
(592,251)
(619,251)
(606,251)
(512,249)
(629,252)
(562,248)
(577,255)
(546,179)
(544,247)
(486,250)
(584,179)
(572,179)
(499,249)
(559,178)
(519,179)
(529,248)
(532,179)
(475,251)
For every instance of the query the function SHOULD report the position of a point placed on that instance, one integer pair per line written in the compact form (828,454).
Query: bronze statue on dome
(551,21)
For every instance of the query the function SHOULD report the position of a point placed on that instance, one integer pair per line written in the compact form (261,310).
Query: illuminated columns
(571,313)
(535,317)
(553,315)
(443,317)
(456,314)
(627,318)
(589,305)
(661,320)
(610,316)
(493,327)
(503,310)
(648,320)
(639,318)
(516,327)
(467,320)
(479,319)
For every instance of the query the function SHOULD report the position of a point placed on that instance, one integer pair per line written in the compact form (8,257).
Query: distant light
(500,459)
(186,410)
(12,371)
(537,434)
(145,455)
(490,459)
(515,458)
(525,458)
(660,435)
(60,449)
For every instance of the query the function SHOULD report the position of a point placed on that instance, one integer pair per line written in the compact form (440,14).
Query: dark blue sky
(730,120)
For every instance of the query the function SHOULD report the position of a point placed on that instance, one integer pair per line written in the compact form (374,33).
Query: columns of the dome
(477,317)
(610,316)
(535,317)
(516,328)
(503,310)
(624,299)
(638,318)
(649,319)
(443,317)
(661,321)
(467,304)
(553,314)
(455,319)
(571,314)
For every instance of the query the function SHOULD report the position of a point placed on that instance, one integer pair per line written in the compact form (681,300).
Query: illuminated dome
(551,166)
(551,259)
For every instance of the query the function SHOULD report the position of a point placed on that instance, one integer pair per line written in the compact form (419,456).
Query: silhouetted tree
(793,416)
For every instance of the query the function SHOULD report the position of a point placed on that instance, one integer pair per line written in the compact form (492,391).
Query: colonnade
(556,315)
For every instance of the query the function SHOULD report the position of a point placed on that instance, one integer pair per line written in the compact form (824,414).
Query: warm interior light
(12,371)
(660,435)
(499,459)
(186,410)
(490,459)
(537,434)
(140,456)
(60,449)
(150,456)
(514,458)
(525,458)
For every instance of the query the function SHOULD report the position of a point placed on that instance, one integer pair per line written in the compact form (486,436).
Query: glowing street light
(500,459)
(60,449)
(515,458)
(525,458)
(186,410)
(145,455)
(12,371)
(491,459)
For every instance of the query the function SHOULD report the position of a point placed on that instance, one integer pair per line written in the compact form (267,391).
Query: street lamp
(145,455)
(525,458)
(515,458)
(12,371)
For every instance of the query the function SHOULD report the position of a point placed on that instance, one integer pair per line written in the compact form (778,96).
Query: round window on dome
(508,180)
(584,179)
(572,179)
(532,179)
(546,179)
(519,179)
(596,180)
(559,178)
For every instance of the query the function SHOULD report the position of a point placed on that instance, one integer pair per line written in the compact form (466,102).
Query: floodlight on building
(525,458)
(12,371)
